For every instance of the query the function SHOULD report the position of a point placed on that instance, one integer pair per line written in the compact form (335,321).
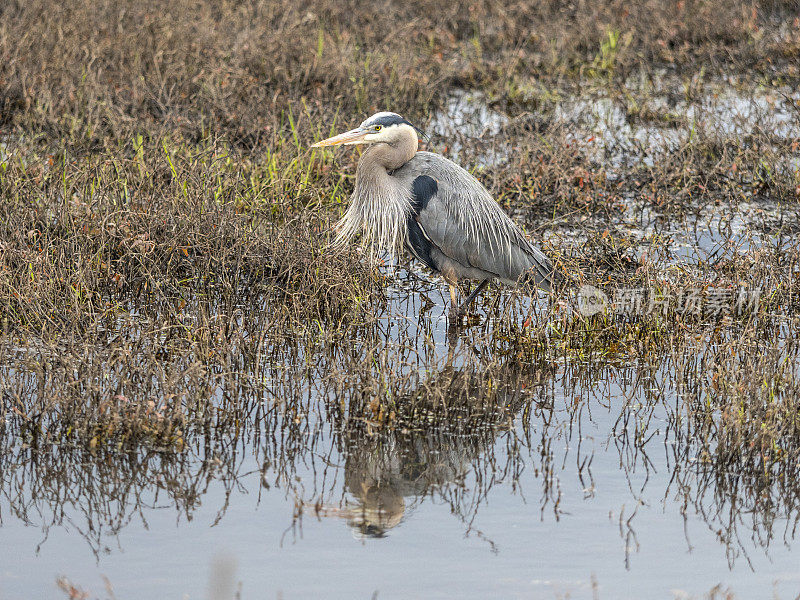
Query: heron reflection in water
(436,210)
(453,420)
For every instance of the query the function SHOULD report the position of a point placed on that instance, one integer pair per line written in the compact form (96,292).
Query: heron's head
(386,127)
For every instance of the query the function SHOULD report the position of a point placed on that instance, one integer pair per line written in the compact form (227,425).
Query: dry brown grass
(91,71)
(166,295)
(159,150)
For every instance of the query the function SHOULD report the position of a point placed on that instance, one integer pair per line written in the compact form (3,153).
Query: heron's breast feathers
(380,213)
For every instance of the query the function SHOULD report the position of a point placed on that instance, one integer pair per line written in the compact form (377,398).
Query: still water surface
(549,498)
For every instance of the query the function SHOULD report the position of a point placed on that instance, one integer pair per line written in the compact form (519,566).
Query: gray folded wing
(459,217)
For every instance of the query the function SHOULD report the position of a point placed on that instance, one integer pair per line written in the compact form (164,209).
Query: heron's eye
(377,128)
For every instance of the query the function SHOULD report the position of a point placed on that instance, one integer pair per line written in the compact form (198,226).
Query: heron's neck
(380,204)
(391,156)
(373,180)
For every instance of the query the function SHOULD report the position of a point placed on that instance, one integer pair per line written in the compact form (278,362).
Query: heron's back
(464,223)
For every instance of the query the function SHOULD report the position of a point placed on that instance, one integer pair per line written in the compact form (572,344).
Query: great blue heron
(435,209)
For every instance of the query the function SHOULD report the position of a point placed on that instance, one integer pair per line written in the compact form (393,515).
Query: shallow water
(613,134)
(467,120)
(574,480)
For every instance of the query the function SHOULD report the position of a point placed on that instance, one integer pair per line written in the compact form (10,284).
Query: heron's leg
(453,299)
(478,289)
(451,279)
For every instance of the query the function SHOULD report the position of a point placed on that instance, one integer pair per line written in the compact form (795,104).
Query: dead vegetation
(90,72)
(167,296)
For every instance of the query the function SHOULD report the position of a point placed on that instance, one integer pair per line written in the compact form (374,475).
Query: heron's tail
(545,276)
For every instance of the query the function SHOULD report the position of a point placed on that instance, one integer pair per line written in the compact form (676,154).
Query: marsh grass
(172,235)
(168,300)
(91,71)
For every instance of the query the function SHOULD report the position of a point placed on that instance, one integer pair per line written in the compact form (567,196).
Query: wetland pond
(403,461)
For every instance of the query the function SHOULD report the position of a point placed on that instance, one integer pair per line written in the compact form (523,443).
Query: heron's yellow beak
(348,138)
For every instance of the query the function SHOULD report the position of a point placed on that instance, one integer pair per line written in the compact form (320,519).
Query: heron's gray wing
(461,219)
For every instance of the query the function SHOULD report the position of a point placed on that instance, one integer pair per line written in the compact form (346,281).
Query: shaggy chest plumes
(379,209)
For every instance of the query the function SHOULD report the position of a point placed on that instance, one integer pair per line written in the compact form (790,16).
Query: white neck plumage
(380,206)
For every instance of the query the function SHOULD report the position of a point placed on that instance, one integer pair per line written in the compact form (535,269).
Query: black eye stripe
(387,121)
